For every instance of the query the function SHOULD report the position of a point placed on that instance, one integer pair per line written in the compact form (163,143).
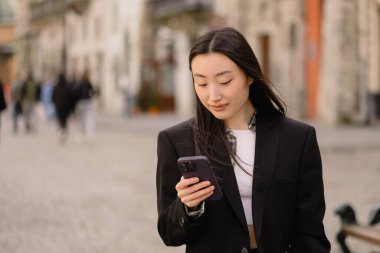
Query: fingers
(192,192)
(184,183)
(193,200)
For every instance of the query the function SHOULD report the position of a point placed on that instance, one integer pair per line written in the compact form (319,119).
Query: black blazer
(287,197)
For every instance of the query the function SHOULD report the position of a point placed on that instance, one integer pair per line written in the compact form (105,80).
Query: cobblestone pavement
(100,197)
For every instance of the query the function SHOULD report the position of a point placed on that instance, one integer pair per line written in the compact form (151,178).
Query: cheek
(202,94)
(239,94)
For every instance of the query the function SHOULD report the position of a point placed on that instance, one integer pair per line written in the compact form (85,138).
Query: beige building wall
(23,40)
(373,15)
(48,51)
(183,89)
(332,62)
(350,60)
(364,50)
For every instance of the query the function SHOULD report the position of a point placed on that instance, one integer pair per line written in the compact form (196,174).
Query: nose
(215,94)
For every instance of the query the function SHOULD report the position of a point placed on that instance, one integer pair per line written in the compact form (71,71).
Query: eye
(202,84)
(224,83)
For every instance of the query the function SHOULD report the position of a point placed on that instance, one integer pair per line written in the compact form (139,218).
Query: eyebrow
(218,74)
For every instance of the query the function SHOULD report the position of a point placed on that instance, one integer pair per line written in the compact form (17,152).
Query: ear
(250,80)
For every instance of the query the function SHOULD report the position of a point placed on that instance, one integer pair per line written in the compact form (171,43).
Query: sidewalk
(330,138)
(348,137)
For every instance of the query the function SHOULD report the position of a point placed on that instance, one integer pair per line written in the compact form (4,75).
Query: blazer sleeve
(174,226)
(309,234)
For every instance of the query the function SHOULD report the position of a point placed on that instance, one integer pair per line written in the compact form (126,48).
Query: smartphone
(199,166)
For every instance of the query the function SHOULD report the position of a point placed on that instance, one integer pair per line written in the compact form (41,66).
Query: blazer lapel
(265,159)
(230,187)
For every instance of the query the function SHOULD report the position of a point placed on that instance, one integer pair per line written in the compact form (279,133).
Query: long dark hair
(232,44)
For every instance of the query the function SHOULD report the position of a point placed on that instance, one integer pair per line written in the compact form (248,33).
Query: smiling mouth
(218,107)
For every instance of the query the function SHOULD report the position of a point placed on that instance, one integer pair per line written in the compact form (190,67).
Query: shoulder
(292,127)
(179,130)
(179,138)
(299,132)
(294,124)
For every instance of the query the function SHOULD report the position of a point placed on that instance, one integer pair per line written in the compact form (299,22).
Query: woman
(63,102)
(268,165)
(85,106)
(3,104)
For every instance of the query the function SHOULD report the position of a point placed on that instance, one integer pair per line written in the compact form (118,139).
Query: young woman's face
(223,88)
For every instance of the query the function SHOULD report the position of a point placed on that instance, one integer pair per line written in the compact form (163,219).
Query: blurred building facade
(107,40)
(77,35)
(323,56)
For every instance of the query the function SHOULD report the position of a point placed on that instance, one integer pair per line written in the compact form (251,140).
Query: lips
(219,107)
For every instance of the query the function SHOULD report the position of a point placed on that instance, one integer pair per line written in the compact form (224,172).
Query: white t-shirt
(245,151)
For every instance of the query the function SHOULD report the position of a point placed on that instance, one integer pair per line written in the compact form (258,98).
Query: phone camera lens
(187,166)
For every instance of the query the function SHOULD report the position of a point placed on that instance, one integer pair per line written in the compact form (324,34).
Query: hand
(192,192)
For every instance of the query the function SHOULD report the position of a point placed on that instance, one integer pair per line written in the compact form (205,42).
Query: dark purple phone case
(200,167)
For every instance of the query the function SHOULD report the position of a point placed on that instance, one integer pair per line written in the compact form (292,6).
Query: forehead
(212,63)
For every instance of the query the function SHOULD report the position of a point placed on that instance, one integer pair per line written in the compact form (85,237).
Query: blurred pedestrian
(16,103)
(73,83)
(3,104)
(268,166)
(85,110)
(63,102)
(47,98)
(30,94)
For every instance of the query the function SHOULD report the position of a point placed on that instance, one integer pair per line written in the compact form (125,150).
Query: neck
(241,122)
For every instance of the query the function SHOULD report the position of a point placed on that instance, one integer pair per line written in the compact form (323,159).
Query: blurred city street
(129,60)
(100,196)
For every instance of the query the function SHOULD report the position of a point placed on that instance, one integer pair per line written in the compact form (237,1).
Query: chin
(220,115)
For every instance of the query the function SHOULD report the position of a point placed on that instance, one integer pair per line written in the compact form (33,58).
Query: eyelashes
(224,83)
